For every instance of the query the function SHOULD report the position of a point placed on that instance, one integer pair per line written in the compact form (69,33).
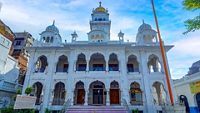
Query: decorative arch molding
(62,64)
(131,53)
(133,64)
(97,62)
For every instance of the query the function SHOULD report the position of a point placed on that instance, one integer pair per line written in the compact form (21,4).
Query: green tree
(28,90)
(192,24)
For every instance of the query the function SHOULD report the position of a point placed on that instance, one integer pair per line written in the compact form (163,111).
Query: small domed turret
(144,27)
(100,8)
(51,36)
(146,35)
(52,28)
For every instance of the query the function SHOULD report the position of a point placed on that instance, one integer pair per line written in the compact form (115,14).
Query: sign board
(25,102)
(195,87)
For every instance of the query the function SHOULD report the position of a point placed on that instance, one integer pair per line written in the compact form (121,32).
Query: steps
(96,109)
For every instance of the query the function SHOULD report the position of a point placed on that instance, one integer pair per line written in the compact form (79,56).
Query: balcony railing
(81,69)
(58,101)
(97,68)
(62,69)
(132,69)
(40,70)
(113,68)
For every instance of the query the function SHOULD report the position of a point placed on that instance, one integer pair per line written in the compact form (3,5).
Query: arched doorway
(79,93)
(198,100)
(114,93)
(183,99)
(135,94)
(97,94)
(37,91)
(159,93)
(59,94)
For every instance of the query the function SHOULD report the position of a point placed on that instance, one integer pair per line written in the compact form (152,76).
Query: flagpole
(163,55)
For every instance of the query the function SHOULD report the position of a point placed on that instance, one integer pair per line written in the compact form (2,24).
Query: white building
(98,72)
(190,96)
(8,73)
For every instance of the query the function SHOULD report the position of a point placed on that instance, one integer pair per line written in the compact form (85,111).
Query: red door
(80,96)
(114,96)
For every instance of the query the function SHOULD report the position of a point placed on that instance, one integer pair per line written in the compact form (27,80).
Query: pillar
(86,97)
(107,97)
(107,59)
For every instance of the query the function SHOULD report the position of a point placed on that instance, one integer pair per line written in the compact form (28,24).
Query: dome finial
(143,21)
(100,4)
(53,22)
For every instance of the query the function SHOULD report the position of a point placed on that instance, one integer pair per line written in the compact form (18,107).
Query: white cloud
(188,45)
(184,53)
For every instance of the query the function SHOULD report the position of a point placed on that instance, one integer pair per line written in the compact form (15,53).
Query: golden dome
(100,8)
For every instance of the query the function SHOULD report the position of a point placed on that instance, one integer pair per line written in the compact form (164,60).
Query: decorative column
(107,59)
(86,97)
(87,61)
(107,97)
(107,92)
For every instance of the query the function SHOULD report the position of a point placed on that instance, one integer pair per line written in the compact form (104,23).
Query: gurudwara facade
(99,72)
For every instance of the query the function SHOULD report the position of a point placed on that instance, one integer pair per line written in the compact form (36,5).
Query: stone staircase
(96,109)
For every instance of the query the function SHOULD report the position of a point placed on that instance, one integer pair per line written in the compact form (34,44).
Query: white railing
(66,106)
(126,105)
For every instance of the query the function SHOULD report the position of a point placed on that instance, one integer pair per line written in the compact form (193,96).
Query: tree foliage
(192,24)
(28,90)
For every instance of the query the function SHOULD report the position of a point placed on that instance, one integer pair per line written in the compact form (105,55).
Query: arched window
(97,62)
(135,94)
(159,93)
(62,65)
(41,64)
(154,64)
(132,65)
(51,40)
(43,40)
(113,63)
(81,63)
(59,94)
(79,93)
(37,92)
(47,39)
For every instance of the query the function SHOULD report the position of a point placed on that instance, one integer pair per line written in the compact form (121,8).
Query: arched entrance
(198,100)
(79,93)
(159,93)
(114,93)
(135,94)
(97,95)
(37,91)
(59,94)
(183,99)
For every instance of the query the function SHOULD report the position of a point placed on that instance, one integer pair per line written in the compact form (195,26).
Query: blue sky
(126,15)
